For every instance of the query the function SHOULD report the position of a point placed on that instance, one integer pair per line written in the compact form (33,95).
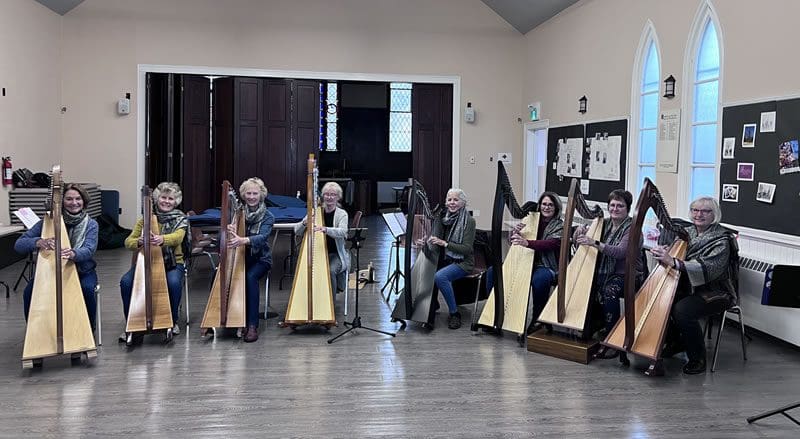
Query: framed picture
(749,135)
(730,192)
(765,192)
(727,147)
(745,171)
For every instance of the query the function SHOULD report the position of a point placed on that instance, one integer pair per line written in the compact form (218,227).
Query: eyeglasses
(703,211)
(548,205)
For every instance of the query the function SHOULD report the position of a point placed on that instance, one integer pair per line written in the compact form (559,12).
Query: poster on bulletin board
(669,128)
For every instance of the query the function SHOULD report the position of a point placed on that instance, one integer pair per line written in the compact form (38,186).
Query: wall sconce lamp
(669,87)
(582,105)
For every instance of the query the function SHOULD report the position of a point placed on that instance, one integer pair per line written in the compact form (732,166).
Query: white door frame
(533,175)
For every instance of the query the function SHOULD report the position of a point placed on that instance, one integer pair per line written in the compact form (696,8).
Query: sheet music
(396,222)
(27,216)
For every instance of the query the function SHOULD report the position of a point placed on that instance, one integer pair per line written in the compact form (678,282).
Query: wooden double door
(201,131)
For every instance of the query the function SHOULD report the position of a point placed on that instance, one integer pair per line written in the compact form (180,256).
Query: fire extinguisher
(7,171)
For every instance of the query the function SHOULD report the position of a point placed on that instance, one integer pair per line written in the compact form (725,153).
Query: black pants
(686,313)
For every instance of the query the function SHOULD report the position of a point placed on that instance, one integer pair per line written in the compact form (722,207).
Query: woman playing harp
(55,294)
(545,243)
(609,280)
(168,238)
(315,279)
(705,287)
(640,331)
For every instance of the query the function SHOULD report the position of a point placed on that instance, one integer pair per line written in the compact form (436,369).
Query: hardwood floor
(420,384)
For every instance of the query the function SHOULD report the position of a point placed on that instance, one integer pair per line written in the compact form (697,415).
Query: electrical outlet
(472,160)
(476,213)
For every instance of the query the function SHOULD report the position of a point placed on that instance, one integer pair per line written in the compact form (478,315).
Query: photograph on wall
(765,192)
(745,171)
(788,157)
(727,147)
(570,154)
(768,122)
(749,136)
(730,192)
(604,153)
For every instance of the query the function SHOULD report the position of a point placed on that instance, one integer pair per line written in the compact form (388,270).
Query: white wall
(30,71)
(105,40)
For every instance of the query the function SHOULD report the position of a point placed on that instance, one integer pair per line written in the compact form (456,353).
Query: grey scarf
(457,221)
(253,218)
(76,227)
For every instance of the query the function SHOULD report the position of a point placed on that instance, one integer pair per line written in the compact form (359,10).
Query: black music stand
(27,270)
(355,242)
(781,291)
(396,221)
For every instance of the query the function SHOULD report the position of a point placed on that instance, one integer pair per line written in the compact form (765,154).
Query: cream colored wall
(589,49)
(30,71)
(105,40)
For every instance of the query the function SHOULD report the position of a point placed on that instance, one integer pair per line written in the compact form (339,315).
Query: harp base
(85,356)
(558,346)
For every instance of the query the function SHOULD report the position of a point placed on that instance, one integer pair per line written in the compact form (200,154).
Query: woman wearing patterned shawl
(258,261)
(173,226)
(454,231)
(705,287)
(82,232)
(545,260)
(609,276)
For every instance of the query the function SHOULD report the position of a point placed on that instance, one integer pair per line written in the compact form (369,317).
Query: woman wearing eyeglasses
(545,259)
(335,227)
(609,277)
(705,287)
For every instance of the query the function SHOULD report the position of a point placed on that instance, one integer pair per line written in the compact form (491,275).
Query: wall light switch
(472,160)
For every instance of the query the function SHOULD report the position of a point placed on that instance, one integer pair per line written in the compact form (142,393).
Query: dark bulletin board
(779,216)
(552,182)
(598,189)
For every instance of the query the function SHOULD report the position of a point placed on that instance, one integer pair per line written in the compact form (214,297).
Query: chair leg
(719,336)
(709,324)
(266,295)
(474,325)
(741,328)
(186,290)
(98,315)
(347,289)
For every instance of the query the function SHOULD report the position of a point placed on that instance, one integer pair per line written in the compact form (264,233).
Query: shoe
(454,321)
(533,327)
(251,334)
(176,330)
(672,349)
(694,367)
(123,337)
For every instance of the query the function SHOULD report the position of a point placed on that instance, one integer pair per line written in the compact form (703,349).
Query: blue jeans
(541,281)
(444,281)
(255,270)
(174,286)
(88,283)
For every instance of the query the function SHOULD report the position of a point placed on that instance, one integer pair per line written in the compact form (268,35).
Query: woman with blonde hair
(258,260)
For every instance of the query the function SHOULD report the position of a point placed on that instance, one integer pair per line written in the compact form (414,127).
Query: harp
(567,310)
(311,300)
(150,306)
(641,329)
(57,321)
(507,305)
(226,302)
(416,300)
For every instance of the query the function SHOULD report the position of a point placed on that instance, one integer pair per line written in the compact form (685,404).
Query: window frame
(648,37)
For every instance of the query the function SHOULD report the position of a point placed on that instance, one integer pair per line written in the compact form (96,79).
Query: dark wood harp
(567,310)
(226,301)
(57,321)
(150,306)
(311,300)
(641,329)
(507,305)
(416,300)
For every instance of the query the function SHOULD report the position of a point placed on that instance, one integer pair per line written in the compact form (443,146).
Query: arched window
(704,105)
(648,82)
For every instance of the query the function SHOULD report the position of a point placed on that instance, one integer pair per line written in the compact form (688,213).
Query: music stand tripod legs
(27,271)
(781,410)
(394,279)
(356,323)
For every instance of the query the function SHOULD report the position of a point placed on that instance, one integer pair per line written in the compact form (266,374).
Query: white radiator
(782,323)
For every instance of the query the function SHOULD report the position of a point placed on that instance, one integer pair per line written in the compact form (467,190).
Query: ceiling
(524,15)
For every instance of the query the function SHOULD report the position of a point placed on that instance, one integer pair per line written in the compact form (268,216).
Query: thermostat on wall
(124,106)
